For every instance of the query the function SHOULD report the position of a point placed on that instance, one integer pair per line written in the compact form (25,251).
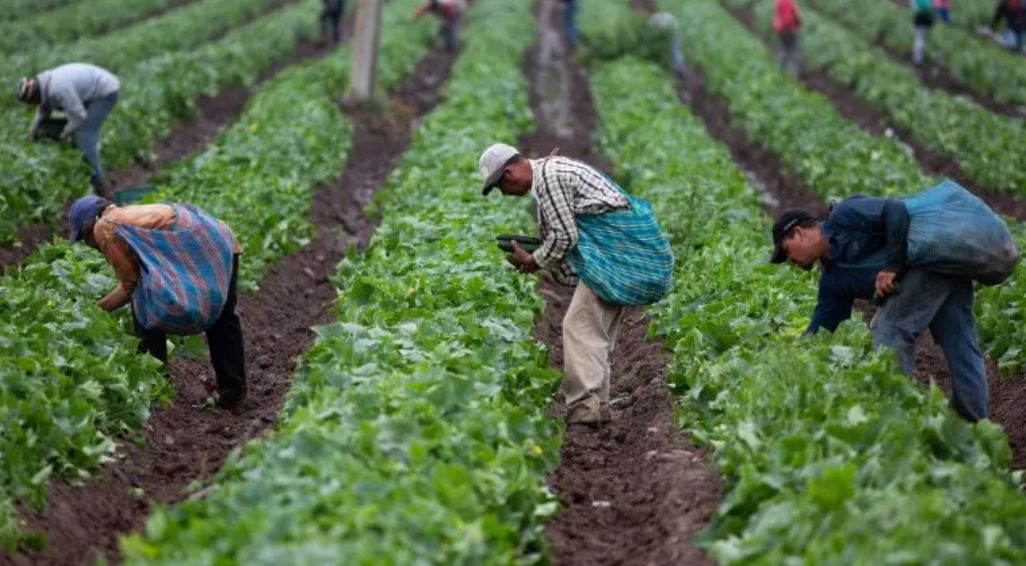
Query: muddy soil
(188,440)
(1007,396)
(635,491)
(189,136)
(876,122)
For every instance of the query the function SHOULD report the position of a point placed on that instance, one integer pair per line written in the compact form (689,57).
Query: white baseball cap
(493,162)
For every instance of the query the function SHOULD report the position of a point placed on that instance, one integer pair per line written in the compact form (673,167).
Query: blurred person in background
(450,12)
(922,19)
(1013,12)
(943,9)
(787,23)
(668,22)
(87,95)
(330,19)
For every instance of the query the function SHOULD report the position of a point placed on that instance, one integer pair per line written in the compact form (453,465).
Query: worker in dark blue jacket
(861,247)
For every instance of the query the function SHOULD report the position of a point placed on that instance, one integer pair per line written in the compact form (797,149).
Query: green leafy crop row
(416,430)
(17,9)
(291,139)
(834,157)
(41,178)
(955,126)
(830,454)
(178,29)
(987,68)
(70,378)
(75,21)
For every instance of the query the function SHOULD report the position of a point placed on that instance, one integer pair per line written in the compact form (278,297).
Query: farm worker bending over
(1014,13)
(87,94)
(178,267)
(922,20)
(449,11)
(594,236)
(935,243)
(786,24)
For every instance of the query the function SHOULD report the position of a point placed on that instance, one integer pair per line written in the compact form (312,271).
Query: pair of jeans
(944,304)
(87,136)
(570,30)
(450,31)
(789,52)
(227,350)
(1016,40)
(330,20)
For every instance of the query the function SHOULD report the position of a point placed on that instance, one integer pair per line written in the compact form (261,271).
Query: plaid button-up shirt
(564,188)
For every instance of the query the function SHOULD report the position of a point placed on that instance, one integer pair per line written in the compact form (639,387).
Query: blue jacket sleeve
(831,310)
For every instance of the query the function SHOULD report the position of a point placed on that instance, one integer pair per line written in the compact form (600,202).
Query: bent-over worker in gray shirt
(87,94)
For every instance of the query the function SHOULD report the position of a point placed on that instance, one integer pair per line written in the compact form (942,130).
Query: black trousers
(330,19)
(227,350)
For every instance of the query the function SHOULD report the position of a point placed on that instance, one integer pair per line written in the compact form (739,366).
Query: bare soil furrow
(637,490)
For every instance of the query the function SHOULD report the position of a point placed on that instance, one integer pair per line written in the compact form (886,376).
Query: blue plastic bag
(952,231)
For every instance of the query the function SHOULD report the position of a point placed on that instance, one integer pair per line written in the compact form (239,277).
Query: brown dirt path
(637,490)
(187,137)
(187,440)
(767,172)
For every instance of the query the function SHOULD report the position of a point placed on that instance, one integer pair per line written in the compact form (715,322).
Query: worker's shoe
(230,402)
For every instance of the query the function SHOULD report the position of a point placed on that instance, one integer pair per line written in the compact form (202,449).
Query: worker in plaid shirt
(563,189)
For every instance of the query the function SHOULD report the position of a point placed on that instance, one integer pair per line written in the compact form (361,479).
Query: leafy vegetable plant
(70,379)
(416,431)
(830,454)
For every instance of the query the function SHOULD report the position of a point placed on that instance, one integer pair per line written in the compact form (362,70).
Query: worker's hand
(885,283)
(115,299)
(523,261)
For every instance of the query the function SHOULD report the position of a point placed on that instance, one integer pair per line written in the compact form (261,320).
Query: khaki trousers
(590,328)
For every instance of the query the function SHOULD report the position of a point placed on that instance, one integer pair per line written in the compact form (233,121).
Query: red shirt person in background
(786,24)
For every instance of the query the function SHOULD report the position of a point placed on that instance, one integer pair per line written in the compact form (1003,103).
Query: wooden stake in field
(365,51)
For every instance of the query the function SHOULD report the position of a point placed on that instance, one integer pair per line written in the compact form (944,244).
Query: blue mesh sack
(952,231)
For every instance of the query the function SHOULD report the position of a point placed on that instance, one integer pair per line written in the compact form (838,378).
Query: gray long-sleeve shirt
(69,88)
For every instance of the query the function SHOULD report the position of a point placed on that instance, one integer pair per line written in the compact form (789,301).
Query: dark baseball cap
(783,228)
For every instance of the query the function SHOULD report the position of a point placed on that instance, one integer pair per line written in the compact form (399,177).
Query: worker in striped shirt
(627,265)
(178,268)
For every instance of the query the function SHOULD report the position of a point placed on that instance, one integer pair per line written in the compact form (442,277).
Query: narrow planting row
(830,454)
(156,93)
(17,9)
(986,68)
(832,156)
(71,378)
(174,31)
(969,134)
(416,430)
(77,20)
